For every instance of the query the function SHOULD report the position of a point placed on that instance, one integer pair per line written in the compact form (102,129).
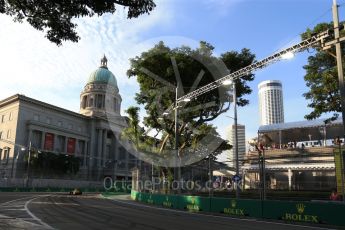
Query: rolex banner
(339,170)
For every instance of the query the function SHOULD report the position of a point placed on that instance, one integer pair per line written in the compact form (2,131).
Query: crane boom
(313,40)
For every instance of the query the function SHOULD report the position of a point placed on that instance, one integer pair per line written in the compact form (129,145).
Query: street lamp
(28,171)
(177,173)
(288,55)
(230,82)
(227,82)
(177,155)
(19,149)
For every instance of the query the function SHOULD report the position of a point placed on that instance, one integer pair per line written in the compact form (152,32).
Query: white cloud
(221,6)
(33,66)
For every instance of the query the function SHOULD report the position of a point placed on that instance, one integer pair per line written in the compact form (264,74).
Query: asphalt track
(60,211)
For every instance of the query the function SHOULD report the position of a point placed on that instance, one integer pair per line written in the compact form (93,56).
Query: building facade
(271,106)
(91,136)
(231,136)
(290,166)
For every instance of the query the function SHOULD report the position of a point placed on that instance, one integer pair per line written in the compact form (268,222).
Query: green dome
(102,76)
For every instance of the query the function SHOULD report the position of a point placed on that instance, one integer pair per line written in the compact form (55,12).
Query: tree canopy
(322,79)
(55,17)
(160,69)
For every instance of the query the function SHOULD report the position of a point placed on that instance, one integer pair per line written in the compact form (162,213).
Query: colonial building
(91,136)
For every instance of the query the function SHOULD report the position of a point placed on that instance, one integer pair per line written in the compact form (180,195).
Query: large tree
(322,78)
(160,69)
(55,17)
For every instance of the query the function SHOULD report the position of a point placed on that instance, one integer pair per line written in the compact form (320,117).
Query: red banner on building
(71,145)
(49,141)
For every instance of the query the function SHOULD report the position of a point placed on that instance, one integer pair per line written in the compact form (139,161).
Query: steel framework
(317,40)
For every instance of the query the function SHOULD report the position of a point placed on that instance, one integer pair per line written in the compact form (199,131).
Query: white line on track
(55,203)
(220,217)
(11,201)
(13,209)
(33,216)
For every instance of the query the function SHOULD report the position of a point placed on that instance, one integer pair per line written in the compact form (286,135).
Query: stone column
(43,139)
(92,149)
(29,136)
(127,168)
(65,147)
(104,149)
(116,155)
(99,148)
(99,154)
(85,153)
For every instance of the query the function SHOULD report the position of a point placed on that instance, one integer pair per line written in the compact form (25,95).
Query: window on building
(8,134)
(99,101)
(0,135)
(49,120)
(10,117)
(70,126)
(5,155)
(59,123)
(2,118)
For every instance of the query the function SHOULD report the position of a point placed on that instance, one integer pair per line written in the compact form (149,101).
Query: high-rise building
(241,135)
(271,102)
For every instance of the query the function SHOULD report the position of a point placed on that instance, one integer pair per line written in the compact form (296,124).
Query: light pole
(152,179)
(177,171)
(210,189)
(262,167)
(341,168)
(177,162)
(18,152)
(28,171)
(339,60)
(341,81)
(236,133)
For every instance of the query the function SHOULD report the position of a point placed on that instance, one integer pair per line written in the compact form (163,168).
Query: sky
(37,68)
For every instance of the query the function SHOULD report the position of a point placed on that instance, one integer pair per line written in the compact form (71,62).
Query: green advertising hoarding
(307,212)
(339,170)
(235,207)
(194,203)
(330,213)
(167,201)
